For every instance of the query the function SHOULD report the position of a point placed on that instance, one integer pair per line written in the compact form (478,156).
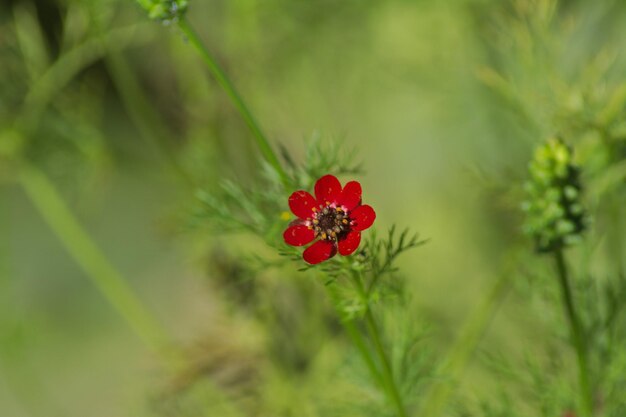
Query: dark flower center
(331,223)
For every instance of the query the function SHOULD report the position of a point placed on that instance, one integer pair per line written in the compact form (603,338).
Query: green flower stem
(357,339)
(387,374)
(229,88)
(86,253)
(577,333)
(387,371)
(359,342)
(464,346)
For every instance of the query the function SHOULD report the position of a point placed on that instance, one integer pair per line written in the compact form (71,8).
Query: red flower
(335,218)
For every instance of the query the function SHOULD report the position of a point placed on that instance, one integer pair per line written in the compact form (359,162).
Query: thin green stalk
(46,199)
(387,374)
(107,279)
(141,112)
(387,371)
(357,338)
(464,346)
(577,333)
(5,265)
(16,370)
(64,69)
(86,253)
(55,212)
(359,342)
(231,91)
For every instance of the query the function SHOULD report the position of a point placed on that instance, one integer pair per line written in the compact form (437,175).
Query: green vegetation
(149,150)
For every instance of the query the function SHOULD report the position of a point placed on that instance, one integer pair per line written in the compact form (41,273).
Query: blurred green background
(412,85)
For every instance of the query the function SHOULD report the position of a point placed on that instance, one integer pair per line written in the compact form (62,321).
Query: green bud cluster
(554,214)
(168,11)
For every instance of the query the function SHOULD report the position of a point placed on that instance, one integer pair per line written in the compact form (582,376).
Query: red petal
(362,217)
(327,189)
(351,195)
(319,252)
(349,244)
(298,235)
(301,204)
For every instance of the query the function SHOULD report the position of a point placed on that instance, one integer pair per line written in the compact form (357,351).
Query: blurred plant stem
(67,66)
(359,342)
(106,278)
(5,265)
(107,44)
(16,366)
(385,377)
(55,211)
(223,80)
(88,255)
(577,333)
(387,371)
(461,351)
(142,113)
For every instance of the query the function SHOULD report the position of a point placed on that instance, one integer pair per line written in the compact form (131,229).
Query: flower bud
(554,214)
(168,11)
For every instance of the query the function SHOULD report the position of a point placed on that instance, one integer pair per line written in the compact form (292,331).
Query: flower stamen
(330,223)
